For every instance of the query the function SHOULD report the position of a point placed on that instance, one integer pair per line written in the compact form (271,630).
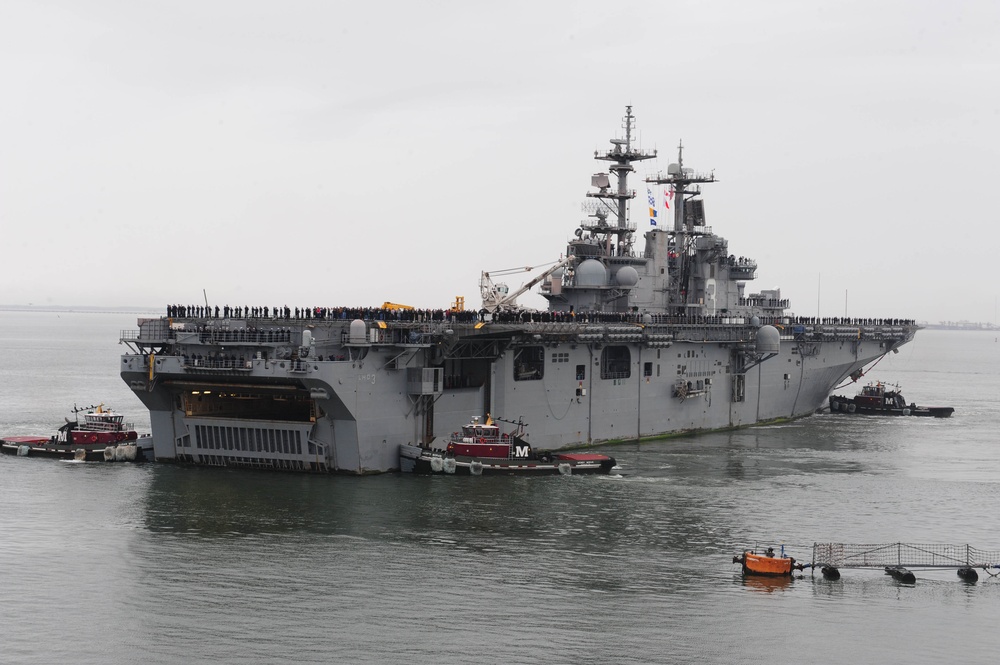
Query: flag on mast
(652,207)
(668,196)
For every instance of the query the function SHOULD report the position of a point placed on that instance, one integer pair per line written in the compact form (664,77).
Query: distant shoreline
(82,309)
(988,327)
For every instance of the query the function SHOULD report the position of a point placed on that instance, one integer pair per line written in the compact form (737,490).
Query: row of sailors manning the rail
(320,313)
(391,314)
(500,316)
(842,321)
(528,316)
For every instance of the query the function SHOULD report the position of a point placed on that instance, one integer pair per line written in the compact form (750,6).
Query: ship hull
(351,411)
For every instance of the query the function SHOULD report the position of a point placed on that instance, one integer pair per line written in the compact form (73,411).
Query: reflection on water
(766,584)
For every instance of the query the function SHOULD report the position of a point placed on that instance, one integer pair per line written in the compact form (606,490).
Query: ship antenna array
(680,178)
(628,122)
(595,208)
(620,156)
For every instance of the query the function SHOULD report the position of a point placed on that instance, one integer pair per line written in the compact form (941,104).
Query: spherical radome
(591,273)
(627,276)
(359,332)
(768,340)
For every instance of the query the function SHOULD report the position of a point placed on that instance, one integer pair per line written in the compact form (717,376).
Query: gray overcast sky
(347,153)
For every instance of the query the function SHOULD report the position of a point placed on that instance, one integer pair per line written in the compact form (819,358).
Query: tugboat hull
(420,460)
(102,436)
(840,404)
(140,450)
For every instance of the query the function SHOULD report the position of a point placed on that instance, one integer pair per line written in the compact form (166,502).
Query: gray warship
(633,345)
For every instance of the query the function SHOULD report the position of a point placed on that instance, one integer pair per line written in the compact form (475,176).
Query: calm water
(158,564)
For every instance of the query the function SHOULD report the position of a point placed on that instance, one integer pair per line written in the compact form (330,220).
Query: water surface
(163,564)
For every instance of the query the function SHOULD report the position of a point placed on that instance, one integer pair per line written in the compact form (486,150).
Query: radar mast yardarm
(621,157)
(689,222)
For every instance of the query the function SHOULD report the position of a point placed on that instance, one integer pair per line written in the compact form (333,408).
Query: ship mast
(620,156)
(686,226)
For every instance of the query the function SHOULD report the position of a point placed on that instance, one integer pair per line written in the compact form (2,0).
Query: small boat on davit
(482,448)
(884,400)
(103,435)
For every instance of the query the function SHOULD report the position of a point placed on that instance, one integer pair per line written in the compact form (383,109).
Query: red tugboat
(884,400)
(482,448)
(103,435)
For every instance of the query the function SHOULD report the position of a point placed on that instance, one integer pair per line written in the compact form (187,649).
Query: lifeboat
(767,563)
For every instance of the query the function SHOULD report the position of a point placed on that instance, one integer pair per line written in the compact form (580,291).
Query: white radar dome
(591,273)
(768,340)
(627,276)
(359,332)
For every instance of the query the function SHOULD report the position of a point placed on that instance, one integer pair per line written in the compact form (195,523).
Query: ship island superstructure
(633,345)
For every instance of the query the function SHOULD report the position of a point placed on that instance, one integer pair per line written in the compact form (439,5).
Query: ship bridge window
(529,363)
(616,362)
